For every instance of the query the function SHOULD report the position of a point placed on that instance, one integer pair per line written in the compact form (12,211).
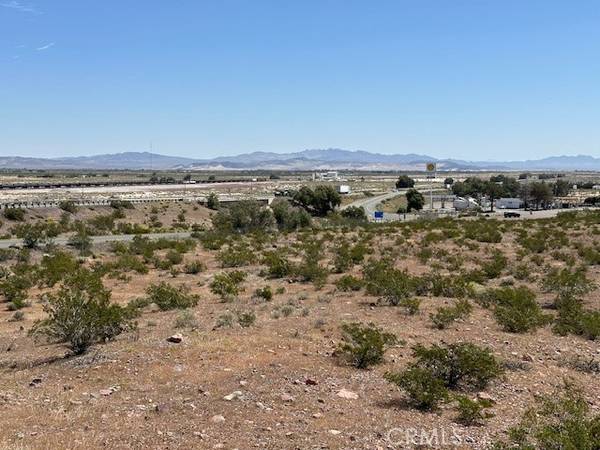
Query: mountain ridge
(311,159)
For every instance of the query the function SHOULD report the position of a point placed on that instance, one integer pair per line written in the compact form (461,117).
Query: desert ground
(246,371)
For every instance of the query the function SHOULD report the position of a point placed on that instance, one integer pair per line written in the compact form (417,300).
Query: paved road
(369,204)
(62,240)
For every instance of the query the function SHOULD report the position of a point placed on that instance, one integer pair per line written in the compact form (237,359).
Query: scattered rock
(287,398)
(335,432)
(233,396)
(344,393)
(175,339)
(311,382)
(217,419)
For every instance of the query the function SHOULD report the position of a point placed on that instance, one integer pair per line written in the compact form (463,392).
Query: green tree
(318,201)
(404,182)
(414,200)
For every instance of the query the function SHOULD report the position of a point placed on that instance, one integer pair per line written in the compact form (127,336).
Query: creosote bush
(166,296)
(516,310)
(562,420)
(445,315)
(439,368)
(364,345)
(81,314)
(227,284)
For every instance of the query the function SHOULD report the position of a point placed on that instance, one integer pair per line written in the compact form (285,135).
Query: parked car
(511,215)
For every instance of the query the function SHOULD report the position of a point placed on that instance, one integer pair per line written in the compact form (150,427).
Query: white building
(462,203)
(509,203)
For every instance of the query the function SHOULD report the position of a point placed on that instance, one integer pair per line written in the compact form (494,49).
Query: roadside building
(509,203)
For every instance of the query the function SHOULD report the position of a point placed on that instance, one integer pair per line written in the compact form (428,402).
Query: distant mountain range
(305,160)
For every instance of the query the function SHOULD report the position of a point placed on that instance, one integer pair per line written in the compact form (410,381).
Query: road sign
(430,167)
(378,214)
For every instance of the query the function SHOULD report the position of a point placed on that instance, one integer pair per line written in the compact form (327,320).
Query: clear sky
(479,80)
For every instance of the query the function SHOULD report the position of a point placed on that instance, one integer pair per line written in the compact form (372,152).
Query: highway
(63,240)
(369,204)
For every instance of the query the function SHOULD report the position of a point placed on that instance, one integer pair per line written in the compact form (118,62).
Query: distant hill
(316,159)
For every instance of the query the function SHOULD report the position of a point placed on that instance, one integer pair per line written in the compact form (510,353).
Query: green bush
(424,390)
(364,345)
(462,365)
(265,293)
(194,267)
(517,311)
(349,283)
(562,420)
(56,266)
(166,296)
(246,318)
(445,315)
(227,284)
(14,214)
(278,266)
(236,256)
(68,206)
(567,284)
(243,217)
(81,314)
(472,412)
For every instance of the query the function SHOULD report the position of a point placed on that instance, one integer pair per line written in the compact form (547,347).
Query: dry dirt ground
(167,212)
(141,391)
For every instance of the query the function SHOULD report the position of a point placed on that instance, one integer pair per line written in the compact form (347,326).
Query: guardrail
(107,202)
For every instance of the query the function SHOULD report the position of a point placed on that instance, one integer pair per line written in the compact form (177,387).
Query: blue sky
(479,80)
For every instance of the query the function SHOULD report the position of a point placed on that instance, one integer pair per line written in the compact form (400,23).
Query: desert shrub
(411,305)
(278,266)
(309,270)
(425,391)
(227,284)
(174,257)
(212,201)
(482,231)
(349,283)
(194,267)
(472,411)
(55,266)
(225,320)
(516,310)
(212,239)
(128,263)
(186,320)
(81,314)
(15,288)
(243,217)
(445,315)
(562,420)
(102,224)
(534,243)
(494,267)
(438,285)
(68,206)
(354,213)
(80,240)
(364,345)
(246,318)
(14,214)
(237,255)
(121,204)
(567,284)
(462,364)
(288,217)
(265,293)
(522,271)
(37,233)
(166,296)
